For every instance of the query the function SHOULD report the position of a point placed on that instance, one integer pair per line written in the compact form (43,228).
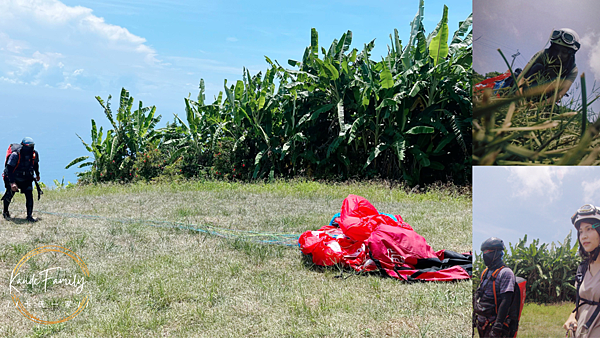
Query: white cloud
(10,45)
(542,182)
(34,34)
(592,43)
(5,79)
(49,11)
(591,192)
(39,68)
(47,43)
(231,39)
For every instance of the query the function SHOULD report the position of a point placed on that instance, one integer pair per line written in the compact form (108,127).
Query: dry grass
(150,281)
(516,130)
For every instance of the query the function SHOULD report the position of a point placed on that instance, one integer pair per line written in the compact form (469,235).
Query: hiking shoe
(31,219)
(6,215)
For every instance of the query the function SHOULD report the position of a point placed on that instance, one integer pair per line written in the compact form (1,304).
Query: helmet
(492,243)
(566,37)
(586,212)
(28,141)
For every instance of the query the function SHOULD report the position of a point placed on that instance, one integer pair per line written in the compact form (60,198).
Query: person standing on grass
(19,168)
(583,321)
(556,61)
(491,309)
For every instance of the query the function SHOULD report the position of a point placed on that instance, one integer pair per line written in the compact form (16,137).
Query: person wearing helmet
(18,174)
(490,310)
(584,319)
(557,61)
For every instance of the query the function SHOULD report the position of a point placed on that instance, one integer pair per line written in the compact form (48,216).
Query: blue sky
(524,27)
(509,202)
(55,57)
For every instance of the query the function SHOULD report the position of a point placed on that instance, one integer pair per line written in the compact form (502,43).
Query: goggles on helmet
(586,211)
(566,37)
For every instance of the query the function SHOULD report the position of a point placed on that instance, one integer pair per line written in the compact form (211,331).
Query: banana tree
(132,132)
(424,96)
(197,136)
(258,123)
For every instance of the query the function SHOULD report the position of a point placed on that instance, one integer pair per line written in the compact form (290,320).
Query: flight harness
(581,270)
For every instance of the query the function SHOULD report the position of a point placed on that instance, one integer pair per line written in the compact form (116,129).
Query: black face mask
(493,258)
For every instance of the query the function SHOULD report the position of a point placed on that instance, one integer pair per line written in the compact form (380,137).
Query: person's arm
(36,166)
(564,88)
(565,85)
(521,79)
(11,163)
(504,301)
(571,323)
(10,175)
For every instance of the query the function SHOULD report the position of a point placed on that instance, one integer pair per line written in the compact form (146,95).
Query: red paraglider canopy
(366,240)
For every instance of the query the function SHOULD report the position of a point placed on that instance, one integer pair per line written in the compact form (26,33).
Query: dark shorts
(22,185)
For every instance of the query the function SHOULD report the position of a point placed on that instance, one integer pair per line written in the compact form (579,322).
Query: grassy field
(150,281)
(541,321)
(544,320)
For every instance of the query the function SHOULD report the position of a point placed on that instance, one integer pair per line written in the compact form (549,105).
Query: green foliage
(60,185)
(534,127)
(549,269)
(492,74)
(337,114)
(406,117)
(476,78)
(148,164)
(115,155)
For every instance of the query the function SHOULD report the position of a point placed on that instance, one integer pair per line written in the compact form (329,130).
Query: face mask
(491,258)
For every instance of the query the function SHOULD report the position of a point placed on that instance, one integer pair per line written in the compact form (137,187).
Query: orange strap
(494,275)
(19,160)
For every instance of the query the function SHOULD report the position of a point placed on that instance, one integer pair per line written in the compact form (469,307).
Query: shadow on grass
(22,220)
(338,270)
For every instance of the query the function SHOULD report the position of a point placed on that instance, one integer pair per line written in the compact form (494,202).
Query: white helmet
(566,37)
(586,212)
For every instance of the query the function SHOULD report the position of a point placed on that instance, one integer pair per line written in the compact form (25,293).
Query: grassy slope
(544,320)
(148,281)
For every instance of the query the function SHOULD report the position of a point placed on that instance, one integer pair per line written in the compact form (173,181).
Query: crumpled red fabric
(332,245)
(367,240)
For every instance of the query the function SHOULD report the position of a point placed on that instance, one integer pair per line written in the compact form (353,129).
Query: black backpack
(481,307)
(16,147)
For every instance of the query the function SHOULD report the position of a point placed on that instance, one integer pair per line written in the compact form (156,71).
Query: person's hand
(37,178)
(570,324)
